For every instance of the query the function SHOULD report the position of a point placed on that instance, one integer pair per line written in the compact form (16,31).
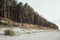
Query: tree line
(24,13)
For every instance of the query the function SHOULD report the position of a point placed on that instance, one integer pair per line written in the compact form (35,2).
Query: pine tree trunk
(5,12)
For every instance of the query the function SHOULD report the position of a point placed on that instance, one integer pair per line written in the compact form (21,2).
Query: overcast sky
(50,9)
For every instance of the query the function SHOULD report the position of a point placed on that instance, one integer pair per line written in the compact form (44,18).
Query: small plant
(0,27)
(28,33)
(10,32)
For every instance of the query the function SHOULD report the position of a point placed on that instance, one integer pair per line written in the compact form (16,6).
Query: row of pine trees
(23,13)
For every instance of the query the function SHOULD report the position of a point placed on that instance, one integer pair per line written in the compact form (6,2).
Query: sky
(49,9)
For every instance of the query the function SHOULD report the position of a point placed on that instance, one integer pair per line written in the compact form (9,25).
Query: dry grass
(9,32)
(10,23)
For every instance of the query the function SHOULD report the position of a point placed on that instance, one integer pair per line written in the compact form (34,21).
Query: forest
(23,13)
